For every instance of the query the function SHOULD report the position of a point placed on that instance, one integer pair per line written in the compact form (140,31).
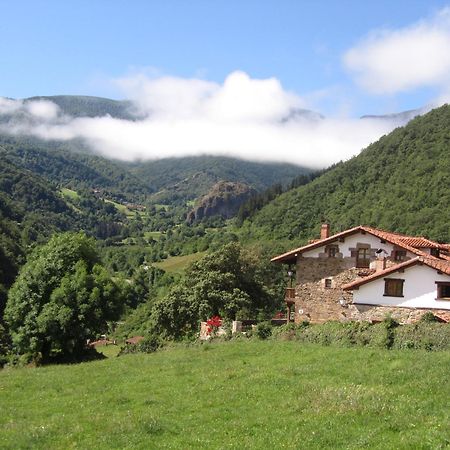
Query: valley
(158,218)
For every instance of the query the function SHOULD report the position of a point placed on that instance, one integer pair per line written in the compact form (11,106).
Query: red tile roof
(410,243)
(435,263)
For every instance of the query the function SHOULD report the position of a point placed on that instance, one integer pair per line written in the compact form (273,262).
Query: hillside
(224,199)
(166,180)
(30,210)
(60,163)
(400,183)
(188,178)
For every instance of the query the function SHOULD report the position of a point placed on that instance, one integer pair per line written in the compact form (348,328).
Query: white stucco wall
(419,289)
(351,241)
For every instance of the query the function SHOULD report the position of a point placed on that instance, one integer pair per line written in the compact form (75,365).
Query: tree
(228,282)
(61,297)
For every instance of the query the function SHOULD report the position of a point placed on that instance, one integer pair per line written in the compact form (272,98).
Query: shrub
(423,335)
(263,330)
(387,334)
(149,344)
(287,332)
(428,317)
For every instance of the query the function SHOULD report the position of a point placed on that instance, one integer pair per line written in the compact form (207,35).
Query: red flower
(213,324)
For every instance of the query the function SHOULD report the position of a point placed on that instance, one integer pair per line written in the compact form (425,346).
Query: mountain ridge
(399,183)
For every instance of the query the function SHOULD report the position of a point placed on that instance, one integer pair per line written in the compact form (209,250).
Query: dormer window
(399,255)
(332,251)
(363,258)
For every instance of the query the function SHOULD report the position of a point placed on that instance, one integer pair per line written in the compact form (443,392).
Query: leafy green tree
(61,297)
(228,282)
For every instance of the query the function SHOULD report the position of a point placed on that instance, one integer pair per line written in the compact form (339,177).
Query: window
(363,257)
(399,255)
(332,251)
(328,283)
(443,290)
(393,287)
(434,252)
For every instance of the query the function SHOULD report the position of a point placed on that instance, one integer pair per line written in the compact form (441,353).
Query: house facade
(364,273)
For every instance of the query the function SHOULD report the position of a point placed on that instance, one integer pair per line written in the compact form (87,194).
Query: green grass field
(152,235)
(245,394)
(122,208)
(69,193)
(178,264)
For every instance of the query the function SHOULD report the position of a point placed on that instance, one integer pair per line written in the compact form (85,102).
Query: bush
(5,345)
(263,330)
(387,334)
(428,317)
(149,344)
(423,335)
(287,332)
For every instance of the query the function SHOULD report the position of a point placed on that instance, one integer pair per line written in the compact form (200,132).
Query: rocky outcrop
(224,199)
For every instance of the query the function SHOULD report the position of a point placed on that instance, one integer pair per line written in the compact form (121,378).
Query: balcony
(289,295)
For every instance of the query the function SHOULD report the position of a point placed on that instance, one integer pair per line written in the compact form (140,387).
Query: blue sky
(224,77)
(68,47)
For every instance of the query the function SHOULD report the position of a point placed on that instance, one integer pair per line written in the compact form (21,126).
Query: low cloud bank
(252,118)
(242,117)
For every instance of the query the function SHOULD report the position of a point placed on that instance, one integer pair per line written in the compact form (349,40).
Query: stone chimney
(325,231)
(378,264)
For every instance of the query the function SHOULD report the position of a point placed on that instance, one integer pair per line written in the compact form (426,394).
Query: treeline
(400,183)
(58,162)
(259,200)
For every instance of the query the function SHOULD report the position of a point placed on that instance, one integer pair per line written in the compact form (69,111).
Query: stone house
(364,273)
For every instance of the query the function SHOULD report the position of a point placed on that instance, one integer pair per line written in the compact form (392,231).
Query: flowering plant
(213,325)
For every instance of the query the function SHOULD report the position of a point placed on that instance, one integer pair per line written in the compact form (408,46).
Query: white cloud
(243,117)
(392,61)
(42,109)
(9,106)
(34,109)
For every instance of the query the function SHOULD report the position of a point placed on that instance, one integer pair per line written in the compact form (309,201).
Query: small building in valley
(365,273)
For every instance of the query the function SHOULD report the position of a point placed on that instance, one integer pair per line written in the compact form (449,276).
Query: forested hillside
(191,177)
(400,183)
(29,210)
(59,163)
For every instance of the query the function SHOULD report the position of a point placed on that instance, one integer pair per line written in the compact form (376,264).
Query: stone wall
(318,300)
(372,313)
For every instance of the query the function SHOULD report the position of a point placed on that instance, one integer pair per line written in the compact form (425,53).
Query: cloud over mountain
(242,117)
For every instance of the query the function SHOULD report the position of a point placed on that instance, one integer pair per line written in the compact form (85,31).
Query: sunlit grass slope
(178,264)
(263,395)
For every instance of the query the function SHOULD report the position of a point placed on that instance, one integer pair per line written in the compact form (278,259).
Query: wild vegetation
(231,282)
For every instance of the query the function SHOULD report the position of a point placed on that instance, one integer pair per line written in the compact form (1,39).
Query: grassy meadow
(70,194)
(241,394)
(178,264)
